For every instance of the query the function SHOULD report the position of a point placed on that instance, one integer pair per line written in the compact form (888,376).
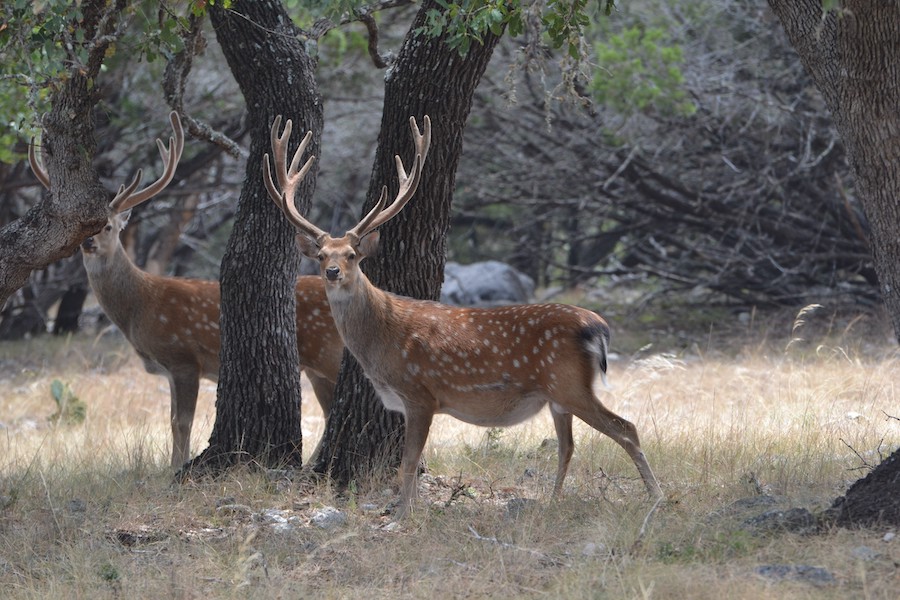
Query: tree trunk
(361,438)
(853,55)
(258,402)
(76,206)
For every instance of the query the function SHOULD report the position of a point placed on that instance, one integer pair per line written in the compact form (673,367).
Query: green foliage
(43,44)
(640,71)
(70,409)
(469,21)
(108,572)
(565,21)
(721,546)
(31,59)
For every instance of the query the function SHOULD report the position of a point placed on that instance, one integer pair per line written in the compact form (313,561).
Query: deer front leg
(184,385)
(563,424)
(418,422)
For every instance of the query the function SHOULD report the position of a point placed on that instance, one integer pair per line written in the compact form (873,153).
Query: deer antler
(379,215)
(288,177)
(126,197)
(37,167)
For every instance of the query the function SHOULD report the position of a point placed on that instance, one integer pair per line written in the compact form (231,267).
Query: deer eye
(320,257)
(108,228)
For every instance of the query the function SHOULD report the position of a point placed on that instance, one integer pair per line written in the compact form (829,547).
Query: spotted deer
(486,366)
(173,323)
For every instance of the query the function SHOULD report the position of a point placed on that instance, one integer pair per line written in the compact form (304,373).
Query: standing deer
(173,323)
(491,367)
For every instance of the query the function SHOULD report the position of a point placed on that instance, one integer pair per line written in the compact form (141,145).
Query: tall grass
(90,510)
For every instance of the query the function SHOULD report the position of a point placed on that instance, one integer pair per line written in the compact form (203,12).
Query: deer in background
(491,367)
(173,323)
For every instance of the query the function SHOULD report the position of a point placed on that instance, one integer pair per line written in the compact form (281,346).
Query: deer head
(338,258)
(104,243)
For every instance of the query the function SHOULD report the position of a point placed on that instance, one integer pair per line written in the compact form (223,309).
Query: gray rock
(516,506)
(328,517)
(797,520)
(805,573)
(485,283)
(864,553)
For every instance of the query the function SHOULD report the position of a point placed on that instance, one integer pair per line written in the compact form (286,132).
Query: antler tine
(127,198)
(37,167)
(364,226)
(288,177)
(408,183)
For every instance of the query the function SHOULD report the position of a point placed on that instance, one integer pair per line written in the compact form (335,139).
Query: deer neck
(361,313)
(117,283)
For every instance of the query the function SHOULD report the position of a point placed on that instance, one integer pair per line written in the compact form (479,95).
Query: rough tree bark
(76,206)
(361,438)
(853,55)
(258,402)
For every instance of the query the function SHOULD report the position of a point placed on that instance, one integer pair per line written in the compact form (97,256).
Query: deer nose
(332,273)
(88,243)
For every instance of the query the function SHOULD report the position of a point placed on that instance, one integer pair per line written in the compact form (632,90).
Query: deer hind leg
(324,390)
(183,385)
(624,433)
(563,424)
(417,425)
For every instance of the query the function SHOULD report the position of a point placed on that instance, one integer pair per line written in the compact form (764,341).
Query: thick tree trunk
(429,78)
(76,206)
(853,55)
(258,403)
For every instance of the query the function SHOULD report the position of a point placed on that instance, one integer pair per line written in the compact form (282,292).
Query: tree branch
(174,81)
(364,16)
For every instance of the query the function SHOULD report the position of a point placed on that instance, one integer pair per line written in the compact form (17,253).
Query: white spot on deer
(163,319)
(516,363)
(413,368)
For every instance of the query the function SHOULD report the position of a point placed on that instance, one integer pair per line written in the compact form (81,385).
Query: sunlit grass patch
(89,509)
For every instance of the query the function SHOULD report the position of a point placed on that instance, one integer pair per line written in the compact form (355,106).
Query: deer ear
(368,246)
(308,246)
(123,218)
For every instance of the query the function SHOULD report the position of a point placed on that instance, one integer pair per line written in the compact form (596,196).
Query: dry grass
(89,510)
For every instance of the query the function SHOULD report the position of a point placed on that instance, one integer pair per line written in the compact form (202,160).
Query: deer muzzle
(332,274)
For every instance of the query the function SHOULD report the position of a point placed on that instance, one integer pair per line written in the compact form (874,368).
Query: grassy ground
(758,415)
